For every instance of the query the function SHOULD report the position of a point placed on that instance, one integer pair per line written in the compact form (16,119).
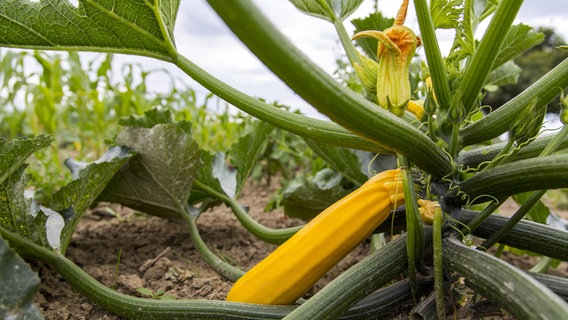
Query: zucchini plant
(453,171)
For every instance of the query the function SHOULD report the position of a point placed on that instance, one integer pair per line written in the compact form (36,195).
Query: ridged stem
(340,104)
(533,198)
(320,130)
(502,283)
(498,121)
(525,235)
(481,63)
(387,301)
(433,54)
(474,157)
(548,172)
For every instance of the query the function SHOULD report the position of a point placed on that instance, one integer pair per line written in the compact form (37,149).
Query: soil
(129,250)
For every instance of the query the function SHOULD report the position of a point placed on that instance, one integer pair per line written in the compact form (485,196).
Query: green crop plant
(445,147)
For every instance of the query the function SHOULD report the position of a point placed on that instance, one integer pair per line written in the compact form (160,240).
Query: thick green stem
(534,197)
(499,121)
(383,302)
(433,54)
(140,308)
(340,104)
(505,285)
(481,64)
(474,157)
(274,236)
(548,172)
(323,131)
(525,235)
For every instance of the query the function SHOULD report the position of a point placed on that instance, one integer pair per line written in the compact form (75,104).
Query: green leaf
(519,39)
(330,10)
(15,152)
(89,181)
(305,200)
(506,74)
(225,176)
(210,163)
(150,118)
(19,213)
(374,21)
(134,26)
(538,213)
(18,285)
(246,152)
(342,160)
(446,13)
(159,178)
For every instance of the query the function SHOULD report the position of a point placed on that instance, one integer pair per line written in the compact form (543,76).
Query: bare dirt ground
(132,251)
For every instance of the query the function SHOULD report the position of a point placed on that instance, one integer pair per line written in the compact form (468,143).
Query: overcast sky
(203,38)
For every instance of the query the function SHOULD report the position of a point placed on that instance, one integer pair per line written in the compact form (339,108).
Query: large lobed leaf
(143,27)
(53,227)
(73,199)
(158,179)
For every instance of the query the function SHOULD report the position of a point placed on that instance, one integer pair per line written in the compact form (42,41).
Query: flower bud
(396,48)
(457,112)
(367,72)
(564,108)
(528,123)
(430,105)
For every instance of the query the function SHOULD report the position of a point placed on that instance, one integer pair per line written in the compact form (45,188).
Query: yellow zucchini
(294,267)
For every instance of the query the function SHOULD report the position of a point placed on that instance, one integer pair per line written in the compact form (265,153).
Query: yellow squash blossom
(397,45)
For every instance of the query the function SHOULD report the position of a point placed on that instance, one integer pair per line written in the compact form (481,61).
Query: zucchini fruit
(294,267)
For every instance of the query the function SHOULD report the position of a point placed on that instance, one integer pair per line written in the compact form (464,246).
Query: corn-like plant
(452,172)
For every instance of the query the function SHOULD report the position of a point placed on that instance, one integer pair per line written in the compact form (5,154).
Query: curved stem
(274,236)
(323,131)
(549,172)
(340,104)
(534,197)
(502,283)
(141,308)
(525,235)
(498,121)
(219,265)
